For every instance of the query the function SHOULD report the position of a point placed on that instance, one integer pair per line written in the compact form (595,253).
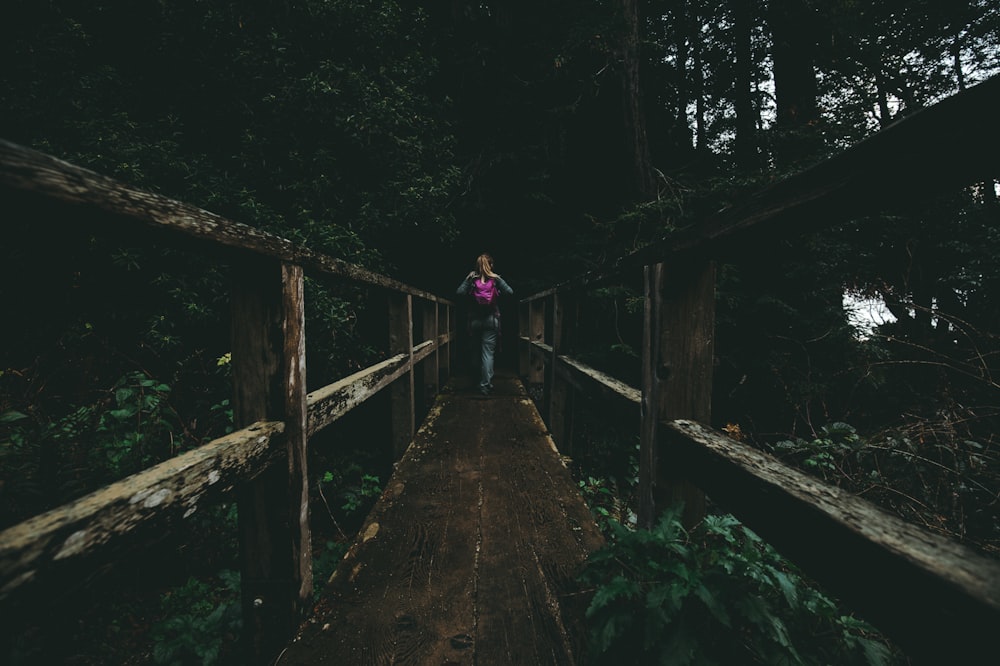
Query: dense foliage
(408,136)
(716,596)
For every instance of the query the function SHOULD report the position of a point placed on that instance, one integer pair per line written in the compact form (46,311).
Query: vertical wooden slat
(560,413)
(401,341)
(268,364)
(649,501)
(523,331)
(431,363)
(677,367)
(687,353)
(296,442)
(536,333)
(444,354)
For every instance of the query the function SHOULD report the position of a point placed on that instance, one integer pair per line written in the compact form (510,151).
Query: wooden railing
(265,460)
(938,600)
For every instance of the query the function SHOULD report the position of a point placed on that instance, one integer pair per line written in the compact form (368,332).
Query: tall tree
(632,102)
(746,115)
(793,30)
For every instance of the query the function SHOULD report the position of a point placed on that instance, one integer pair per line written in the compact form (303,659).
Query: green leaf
(717,610)
(787,586)
(10,416)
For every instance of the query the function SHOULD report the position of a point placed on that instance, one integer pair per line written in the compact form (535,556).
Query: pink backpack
(485,293)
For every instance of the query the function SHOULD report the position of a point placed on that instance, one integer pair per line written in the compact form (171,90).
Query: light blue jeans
(487,330)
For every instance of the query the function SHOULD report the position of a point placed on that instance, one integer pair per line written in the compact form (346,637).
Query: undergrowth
(716,595)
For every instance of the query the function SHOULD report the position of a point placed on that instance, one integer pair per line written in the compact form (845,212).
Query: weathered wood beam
(594,383)
(402,412)
(28,171)
(939,600)
(431,367)
(331,402)
(423,350)
(268,373)
(444,341)
(536,335)
(560,396)
(56,548)
(540,348)
(296,414)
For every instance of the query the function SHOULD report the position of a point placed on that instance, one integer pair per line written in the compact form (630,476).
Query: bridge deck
(469,556)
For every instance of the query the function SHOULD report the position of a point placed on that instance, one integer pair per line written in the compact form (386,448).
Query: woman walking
(485,286)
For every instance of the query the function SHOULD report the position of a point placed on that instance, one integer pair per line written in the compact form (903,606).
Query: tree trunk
(682,132)
(635,118)
(884,114)
(746,123)
(698,89)
(794,51)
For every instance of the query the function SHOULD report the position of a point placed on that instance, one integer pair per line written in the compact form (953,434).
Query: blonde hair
(484,266)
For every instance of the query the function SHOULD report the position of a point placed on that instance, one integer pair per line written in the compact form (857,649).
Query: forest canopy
(408,136)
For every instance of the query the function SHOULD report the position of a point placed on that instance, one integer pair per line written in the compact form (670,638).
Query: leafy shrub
(716,596)
(823,454)
(199,620)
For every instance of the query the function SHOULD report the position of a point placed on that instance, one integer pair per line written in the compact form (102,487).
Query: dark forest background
(410,136)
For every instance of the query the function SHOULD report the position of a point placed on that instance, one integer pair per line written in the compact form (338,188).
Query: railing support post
(444,329)
(401,341)
(431,363)
(678,361)
(268,365)
(560,408)
(536,333)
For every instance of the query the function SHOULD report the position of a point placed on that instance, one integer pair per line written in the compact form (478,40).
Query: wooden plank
(401,340)
(444,342)
(685,367)
(59,547)
(536,334)
(523,339)
(27,171)
(296,412)
(939,600)
(595,383)
(271,548)
(677,367)
(331,402)
(431,369)
(471,554)
(560,395)
(651,496)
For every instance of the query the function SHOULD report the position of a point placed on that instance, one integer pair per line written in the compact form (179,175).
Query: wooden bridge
(469,555)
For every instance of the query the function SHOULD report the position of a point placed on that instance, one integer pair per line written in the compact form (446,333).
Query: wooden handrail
(914,585)
(268,365)
(32,173)
(51,544)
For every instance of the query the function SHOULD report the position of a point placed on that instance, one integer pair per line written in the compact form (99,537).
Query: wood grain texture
(27,171)
(60,545)
(939,600)
(471,553)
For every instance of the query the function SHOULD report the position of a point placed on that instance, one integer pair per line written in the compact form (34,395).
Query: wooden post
(268,362)
(523,348)
(678,361)
(560,412)
(444,355)
(536,333)
(401,341)
(430,369)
